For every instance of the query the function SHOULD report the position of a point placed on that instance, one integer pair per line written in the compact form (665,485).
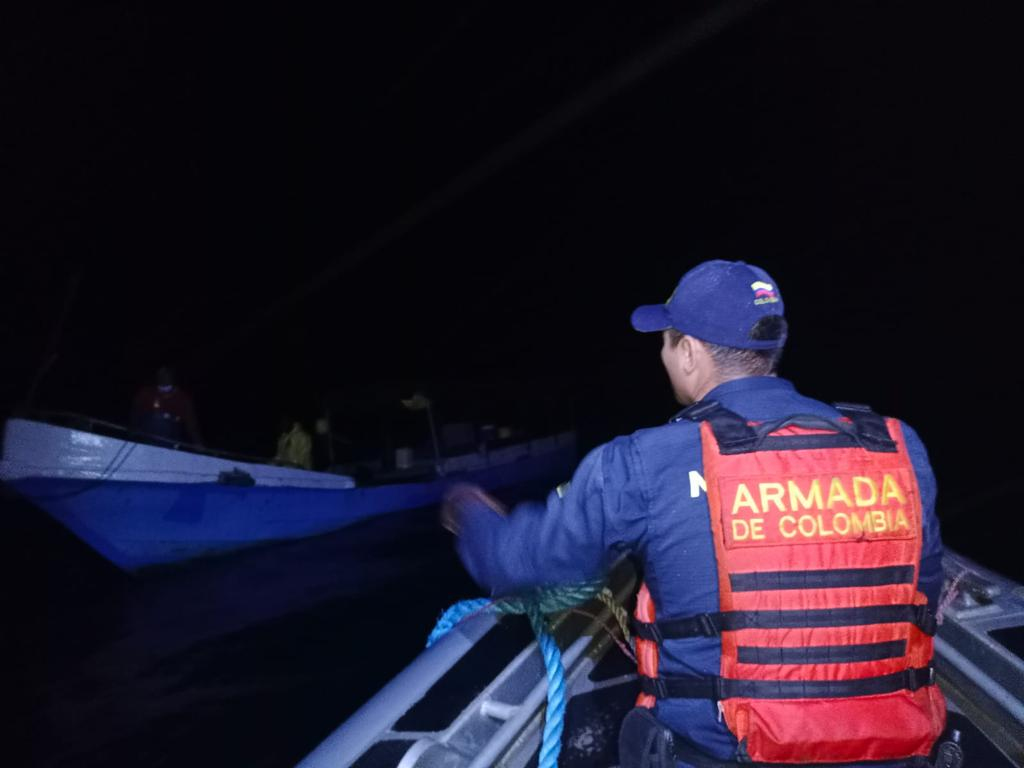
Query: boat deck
(477,697)
(980,653)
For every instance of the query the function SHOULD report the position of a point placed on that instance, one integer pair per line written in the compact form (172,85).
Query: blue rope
(453,616)
(554,717)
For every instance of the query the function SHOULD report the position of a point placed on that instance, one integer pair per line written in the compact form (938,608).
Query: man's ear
(688,352)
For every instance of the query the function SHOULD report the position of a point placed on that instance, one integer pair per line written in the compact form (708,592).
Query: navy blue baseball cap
(719,302)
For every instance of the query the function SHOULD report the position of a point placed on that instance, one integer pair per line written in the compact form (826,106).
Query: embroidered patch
(764,293)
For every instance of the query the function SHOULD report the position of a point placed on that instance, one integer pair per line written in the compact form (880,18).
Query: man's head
(165,378)
(723,321)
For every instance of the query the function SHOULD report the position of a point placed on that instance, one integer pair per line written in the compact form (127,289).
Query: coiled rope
(536,605)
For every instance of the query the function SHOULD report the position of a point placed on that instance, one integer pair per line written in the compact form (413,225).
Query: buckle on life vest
(708,627)
(925,620)
(718,684)
(646,630)
(654,686)
(919,678)
(655,630)
(931,675)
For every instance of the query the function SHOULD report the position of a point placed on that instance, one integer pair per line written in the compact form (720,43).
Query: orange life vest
(826,641)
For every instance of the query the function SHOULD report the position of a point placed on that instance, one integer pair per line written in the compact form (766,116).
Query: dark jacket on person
(640,494)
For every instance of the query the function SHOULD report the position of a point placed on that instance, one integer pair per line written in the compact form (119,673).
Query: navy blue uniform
(643,494)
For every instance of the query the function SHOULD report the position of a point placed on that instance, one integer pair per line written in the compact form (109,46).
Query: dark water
(245,660)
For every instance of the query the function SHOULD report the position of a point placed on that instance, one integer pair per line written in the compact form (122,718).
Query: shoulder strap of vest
(870,427)
(734,435)
(698,411)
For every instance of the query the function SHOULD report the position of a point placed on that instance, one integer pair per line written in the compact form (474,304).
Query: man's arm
(931,575)
(572,536)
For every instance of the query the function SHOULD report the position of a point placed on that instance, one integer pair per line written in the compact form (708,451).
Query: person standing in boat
(166,411)
(790,551)
(294,445)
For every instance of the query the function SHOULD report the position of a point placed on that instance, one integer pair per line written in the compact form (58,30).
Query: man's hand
(461,499)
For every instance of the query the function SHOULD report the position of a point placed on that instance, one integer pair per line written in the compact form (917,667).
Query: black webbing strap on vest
(720,688)
(871,428)
(826,578)
(734,435)
(713,624)
(821,654)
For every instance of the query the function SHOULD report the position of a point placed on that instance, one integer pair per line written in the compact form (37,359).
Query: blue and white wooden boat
(477,698)
(139,504)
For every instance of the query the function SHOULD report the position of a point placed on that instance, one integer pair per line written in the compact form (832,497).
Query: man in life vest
(165,411)
(790,552)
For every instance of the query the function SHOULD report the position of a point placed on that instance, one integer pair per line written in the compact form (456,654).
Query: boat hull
(136,523)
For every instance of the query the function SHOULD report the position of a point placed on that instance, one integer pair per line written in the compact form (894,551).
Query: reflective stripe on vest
(826,641)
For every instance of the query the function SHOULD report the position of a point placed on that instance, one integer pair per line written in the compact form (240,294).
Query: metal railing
(121,432)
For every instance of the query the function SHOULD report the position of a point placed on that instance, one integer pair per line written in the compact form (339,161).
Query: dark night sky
(289,201)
